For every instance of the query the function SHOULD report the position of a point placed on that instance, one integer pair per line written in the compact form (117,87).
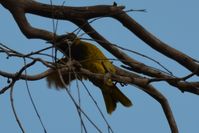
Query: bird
(91,58)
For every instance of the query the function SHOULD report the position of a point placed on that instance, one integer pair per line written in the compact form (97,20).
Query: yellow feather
(91,58)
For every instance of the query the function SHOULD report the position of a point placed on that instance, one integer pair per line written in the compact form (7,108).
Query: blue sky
(173,21)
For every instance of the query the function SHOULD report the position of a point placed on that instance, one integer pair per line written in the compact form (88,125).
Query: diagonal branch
(157,44)
(135,65)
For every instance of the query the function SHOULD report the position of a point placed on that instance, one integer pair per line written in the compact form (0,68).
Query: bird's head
(72,38)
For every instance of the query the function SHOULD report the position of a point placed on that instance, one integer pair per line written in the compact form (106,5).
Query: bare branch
(164,103)
(81,16)
(157,44)
(17,76)
(136,66)
(13,109)
(179,83)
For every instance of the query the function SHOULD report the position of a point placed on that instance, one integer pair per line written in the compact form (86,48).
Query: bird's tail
(112,95)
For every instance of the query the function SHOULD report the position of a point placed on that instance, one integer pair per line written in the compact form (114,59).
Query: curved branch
(17,76)
(164,103)
(18,8)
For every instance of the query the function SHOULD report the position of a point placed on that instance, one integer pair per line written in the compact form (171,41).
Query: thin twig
(75,103)
(17,76)
(95,102)
(13,108)
(98,108)
(32,101)
(83,127)
(190,75)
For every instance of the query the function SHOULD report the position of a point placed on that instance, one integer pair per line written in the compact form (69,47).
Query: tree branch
(164,103)
(80,17)
(157,44)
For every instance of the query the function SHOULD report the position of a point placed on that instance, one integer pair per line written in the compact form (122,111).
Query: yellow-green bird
(92,59)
